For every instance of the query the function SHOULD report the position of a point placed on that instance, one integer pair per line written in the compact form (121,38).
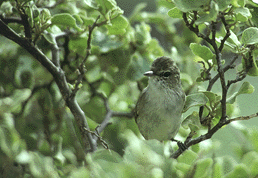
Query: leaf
(118,26)
(233,38)
(210,16)
(223,4)
(201,51)
(210,95)
(175,13)
(203,167)
(65,19)
(240,170)
(78,45)
(242,14)
(105,43)
(6,8)
(87,20)
(142,34)
(253,71)
(188,157)
(186,5)
(197,99)
(192,121)
(107,155)
(250,36)
(246,88)
(138,8)
(50,38)
(108,8)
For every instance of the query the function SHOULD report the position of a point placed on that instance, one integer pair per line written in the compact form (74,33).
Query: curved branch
(60,79)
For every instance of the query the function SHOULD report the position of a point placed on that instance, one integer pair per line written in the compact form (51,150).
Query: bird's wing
(139,105)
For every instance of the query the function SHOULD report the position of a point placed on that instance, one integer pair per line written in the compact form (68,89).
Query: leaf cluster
(73,73)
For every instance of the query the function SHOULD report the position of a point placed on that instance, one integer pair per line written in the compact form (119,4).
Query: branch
(60,79)
(11,20)
(215,78)
(208,135)
(241,118)
(81,68)
(227,34)
(25,22)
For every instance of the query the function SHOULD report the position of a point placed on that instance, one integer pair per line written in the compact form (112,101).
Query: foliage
(71,72)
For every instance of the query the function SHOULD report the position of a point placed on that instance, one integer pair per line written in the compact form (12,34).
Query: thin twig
(88,52)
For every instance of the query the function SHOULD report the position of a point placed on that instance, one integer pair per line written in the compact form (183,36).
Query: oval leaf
(197,99)
(66,20)
(201,51)
(175,13)
(250,36)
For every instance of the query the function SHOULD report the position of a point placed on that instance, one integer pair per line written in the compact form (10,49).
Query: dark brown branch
(195,29)
(60,79)
(82,67)
(11,20)
(241,118)
(25,22)
(208,135)
(238,78)
(220,70)
(221,74)
(227,34)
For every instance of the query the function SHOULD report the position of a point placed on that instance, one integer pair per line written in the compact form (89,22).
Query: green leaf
(210,95)
(241,3)
(189,157)
(253,63)
(50,38)
(108,8)
(223,4)
(107,155)
(13,103)
(186,5)
(201,51)
(105,43)
(153,48)
(118,26)
(250,36)
(233,39)
(94,74)
(240,170)
(65,19)
(23,157)
(78,45)
(87,20)
(175,13)
(254,69)
(243,14)
(217,170)
(246,88)
(197,99)
(138,8)
(45,15)
(78,19)
(142,34)
(192,121)
(209,16)
(203,167)
(6,8)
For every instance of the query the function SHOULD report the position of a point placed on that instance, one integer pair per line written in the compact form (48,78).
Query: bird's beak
(149,73)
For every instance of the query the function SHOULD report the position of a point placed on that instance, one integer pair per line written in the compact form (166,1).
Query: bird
(159,108)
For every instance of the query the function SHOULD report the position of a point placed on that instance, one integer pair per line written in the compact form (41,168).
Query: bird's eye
(166,74)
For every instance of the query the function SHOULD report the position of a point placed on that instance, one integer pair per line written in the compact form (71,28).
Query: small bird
(159,108)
